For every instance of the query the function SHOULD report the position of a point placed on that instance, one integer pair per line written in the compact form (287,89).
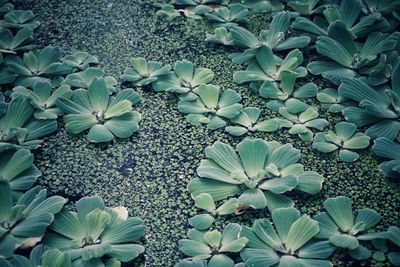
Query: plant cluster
(38,87)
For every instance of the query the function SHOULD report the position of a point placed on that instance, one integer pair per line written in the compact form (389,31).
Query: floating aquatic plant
(259,172)
(343,139)
(226,16)
(332,101)
(303,7)
(103,115)
(213,245)
(143,72)
(80,60)
(386,148)
(84,78)
(209,108)
(221,36)
(19,19)
(94,231)
(264,5)
(287,241)
(21,41)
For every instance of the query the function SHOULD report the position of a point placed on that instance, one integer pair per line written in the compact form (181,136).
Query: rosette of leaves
(37,65)
(275,38)
(213,245)
(264,5)
(211,109)
(350,59)
(330,99)
(285,91)
(268,67)
(304,8)
(226,16)
(390,150)
(80,60)
(221,36)
(194,9)
(338,225)
(17,170)
(167,11)
(379,110)
(143,72)
(259,172)
(24,222)
(40,256)
(300,119)
(246,122)
(206,202)
(19,19)
(5,7)
(287,241)
(18,127)
(43,99)
(105,116)
(21,41)
(347,12)
(343,139)
(94,232)
(84,78)
(183,80)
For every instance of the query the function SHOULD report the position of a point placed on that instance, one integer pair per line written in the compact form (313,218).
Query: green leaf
(334,50)
(253,154)
(99,133)
(204,201)
(283,219)
(344,241)
(98,94)
(253,198)
(220,261)
(266,232)
(201,221)
(209,94)
(300,232)
(259,257)
(339,208)
(348,156)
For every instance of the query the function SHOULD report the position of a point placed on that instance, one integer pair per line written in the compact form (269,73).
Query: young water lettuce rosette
(94,231)
(259,172)
(143,72)
(227,16)
(209,108)
(212,246)
(246,122)
(221,35)
(330,99)
(338,225)
(16,19)
(275,38)
(103,115)
(84,78)
(23,222)
(287,241)
(264,6)
(379,109)
(183,80)
(270,68)
(343,139)
(387,149)
(80,60)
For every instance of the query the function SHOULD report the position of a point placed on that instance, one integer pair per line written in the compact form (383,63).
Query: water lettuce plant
(268,67)
(303,7)
(226,16)
(387,149)
(18,127)
(331,100)
(167,11)
(21,41)
(209,108)
(287,241)
(43,99)
(19,19)
(94,231)
(17,170)
(349,58)
(344,138)
(103,115)
(37,65)
(183,79)
(84,78)
(247,121)
(80,60)
(213,245)
(379,110)
(221,35)
(24,222)
(259,172)
(264,6)
(143,72)
(338,225)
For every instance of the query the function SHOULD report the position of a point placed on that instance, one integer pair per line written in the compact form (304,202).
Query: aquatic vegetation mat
(199,133)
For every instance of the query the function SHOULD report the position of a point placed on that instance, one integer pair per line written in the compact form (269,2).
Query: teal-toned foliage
(259,172)
(43,99)
(213,245)
(264,5)
(303,7)
(287,241)
(221,36)
(167,11)
(103,115)
(226,16)
(17,170)
(344,138)
(11,44)
(338,225)
(83,79)
(80,60)
(143,72)
(387,149)
(94,231)
(209,108)
(19,19)
(19,126)
(246,122)
(23,222)
(331,100)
